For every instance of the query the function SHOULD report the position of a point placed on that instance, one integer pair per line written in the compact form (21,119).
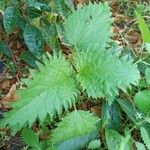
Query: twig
(11,53)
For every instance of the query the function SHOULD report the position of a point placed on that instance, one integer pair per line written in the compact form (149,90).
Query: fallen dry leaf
(10,96)
(96,110)
(4,85)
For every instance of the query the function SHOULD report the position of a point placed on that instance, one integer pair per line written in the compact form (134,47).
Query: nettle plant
(93,70)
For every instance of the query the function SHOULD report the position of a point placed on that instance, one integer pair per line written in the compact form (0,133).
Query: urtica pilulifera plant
(94,70)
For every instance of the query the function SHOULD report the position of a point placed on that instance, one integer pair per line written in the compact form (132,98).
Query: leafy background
(22,45)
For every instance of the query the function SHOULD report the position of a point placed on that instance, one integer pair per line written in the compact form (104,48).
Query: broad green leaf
(102,73)
(4,49)
(95,144)
(147,75)
(113,139)
(140,146)
(30,137)
(2,6)
(33,39)
(142,100)
(75,124)
(89,26)
(52,89)
(11,15)
(143,28)
(111,115)
(145,136)
(128,108)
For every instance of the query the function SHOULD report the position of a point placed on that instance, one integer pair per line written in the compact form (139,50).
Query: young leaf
(30,137)
(52,89)
(102,73)
(11,15)
(95,144)
(145,136)
(143,28)
(33,39)
(142,100)
(89,26)
(75,124)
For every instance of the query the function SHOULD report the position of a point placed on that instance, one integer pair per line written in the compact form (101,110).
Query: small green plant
(93,70)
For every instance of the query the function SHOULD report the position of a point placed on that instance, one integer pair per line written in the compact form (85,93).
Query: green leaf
(143,28)
(10,18)
(30,137)
(50,35)
(4,49)
(89,26)
(102,73)
(29,58)
(111,115)
(95,144)
(145,136)
(128,108)
(33,39)
(52,89)
(142,100)
(147,75)
(78,142)
(2,6)
(140,146)
(75,124)
(113,139)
